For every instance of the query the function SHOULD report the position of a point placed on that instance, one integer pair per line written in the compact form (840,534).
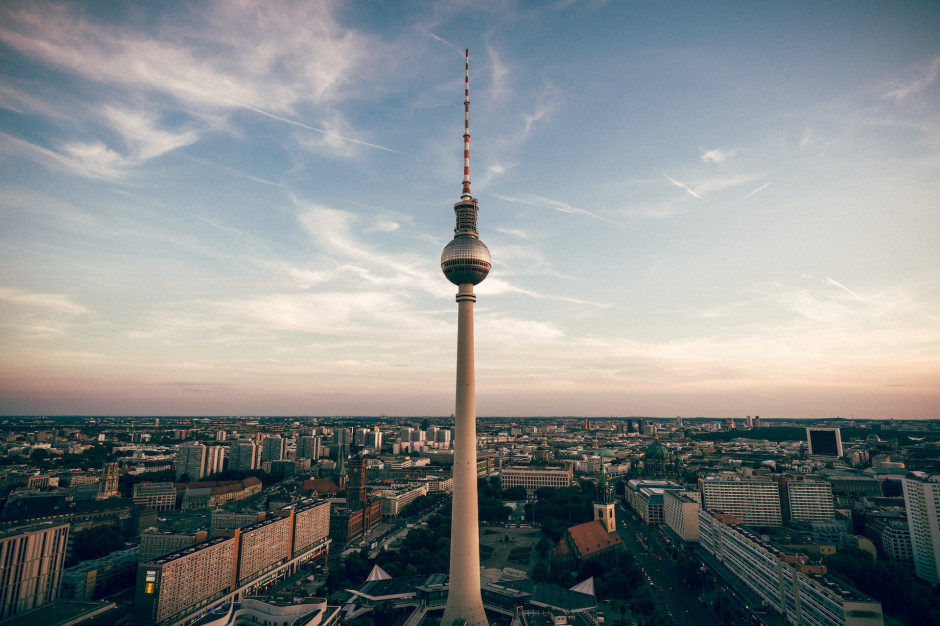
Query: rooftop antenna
(466,127)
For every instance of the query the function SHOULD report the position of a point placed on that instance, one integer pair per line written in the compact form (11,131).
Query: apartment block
(191,461)
(155,543)
(754,502)
(173,586)
(809,500)
(787,582)
(175,589)
(922,501)
(32,559)
(680,513)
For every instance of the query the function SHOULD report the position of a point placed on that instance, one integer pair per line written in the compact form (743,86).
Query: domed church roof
(657,450)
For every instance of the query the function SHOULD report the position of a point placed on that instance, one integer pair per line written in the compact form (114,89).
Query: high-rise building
(215,460)
(272,448)
(308,447)
(465,262)
(243,455)
(807,500)
(754,502)
(32,559)
(191,461)
(922,501)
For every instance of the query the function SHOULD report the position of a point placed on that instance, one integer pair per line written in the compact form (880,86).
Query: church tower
(604,506)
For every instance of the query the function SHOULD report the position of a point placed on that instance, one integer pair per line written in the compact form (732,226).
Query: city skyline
(228,210)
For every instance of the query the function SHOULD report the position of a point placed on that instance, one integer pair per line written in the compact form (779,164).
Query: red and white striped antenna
(466,129)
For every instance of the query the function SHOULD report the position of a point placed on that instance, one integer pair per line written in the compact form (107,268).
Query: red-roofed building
(587,542)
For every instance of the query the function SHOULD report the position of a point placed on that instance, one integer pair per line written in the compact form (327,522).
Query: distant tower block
(465,262)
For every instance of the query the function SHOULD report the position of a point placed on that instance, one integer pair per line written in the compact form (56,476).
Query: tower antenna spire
(466,127)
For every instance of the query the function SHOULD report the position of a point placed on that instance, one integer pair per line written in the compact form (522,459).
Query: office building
(215,460)
(110,479)
(680,513)
(533,478)
(922,502)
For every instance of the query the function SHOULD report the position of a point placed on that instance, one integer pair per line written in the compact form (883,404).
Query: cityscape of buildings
(197,542)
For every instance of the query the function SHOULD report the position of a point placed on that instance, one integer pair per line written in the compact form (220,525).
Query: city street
(678,600)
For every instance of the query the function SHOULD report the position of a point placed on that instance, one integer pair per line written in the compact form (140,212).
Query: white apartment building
(394,501)
(922,501)
(754,502)
(215,460)
(534,477)
(785,581)
(810,500)
(680,513)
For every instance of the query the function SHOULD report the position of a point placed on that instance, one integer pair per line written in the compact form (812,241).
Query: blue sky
(235,208)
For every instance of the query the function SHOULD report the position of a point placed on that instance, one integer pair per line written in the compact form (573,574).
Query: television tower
(465,262)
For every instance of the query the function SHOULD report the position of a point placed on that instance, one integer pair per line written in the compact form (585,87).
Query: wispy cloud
(326,133)
(37,313)
(683,186)
(717,155)
(854,295)
(761,188)
(903,89)
(555,205)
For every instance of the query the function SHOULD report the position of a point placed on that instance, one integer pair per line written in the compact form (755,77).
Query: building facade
(680,513)
(922,501)
(809,500)
(754,502)
(180,586)
(32,559)
(786,582)
(156,496)
(191,461)
(532,478)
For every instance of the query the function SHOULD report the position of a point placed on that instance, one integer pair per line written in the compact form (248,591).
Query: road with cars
(645,542)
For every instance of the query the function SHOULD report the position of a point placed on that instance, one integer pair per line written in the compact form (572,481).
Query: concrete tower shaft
(465,262)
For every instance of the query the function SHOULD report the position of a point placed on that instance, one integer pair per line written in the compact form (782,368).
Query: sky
(696,209)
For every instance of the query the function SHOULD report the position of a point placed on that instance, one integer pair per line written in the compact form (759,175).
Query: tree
(644,602)
(517,493)
(543,546)
(96,542)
